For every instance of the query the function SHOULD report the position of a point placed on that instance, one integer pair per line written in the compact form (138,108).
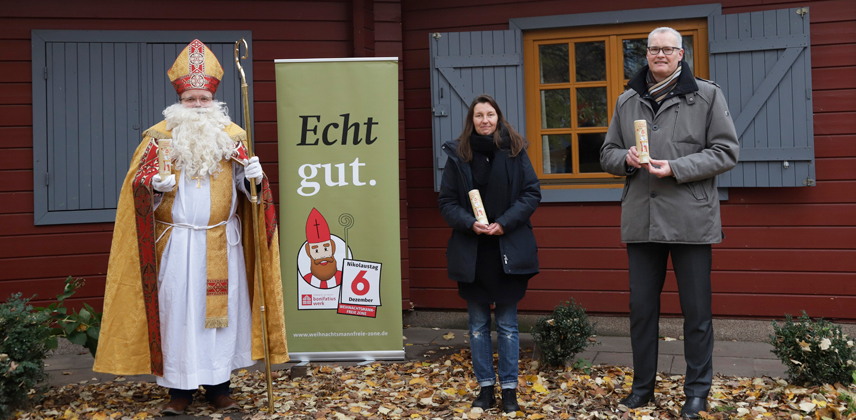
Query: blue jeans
(508,343)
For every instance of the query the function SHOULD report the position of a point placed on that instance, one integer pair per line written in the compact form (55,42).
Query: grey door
(94,93)
(465,65)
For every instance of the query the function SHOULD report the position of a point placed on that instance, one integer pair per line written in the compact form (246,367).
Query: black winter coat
(517,245)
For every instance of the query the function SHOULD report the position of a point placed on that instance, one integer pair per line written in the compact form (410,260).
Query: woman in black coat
(491,263)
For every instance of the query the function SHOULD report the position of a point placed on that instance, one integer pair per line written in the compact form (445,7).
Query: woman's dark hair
(518,143)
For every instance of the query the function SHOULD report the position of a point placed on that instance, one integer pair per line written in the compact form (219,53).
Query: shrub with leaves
(22,351)
(815,352)
(849,399)
(81,328)
(563,334)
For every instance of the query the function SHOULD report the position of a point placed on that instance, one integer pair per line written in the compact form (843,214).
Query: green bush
(81,328)
(563,334)
(815,352)
(23,333)
(848,399)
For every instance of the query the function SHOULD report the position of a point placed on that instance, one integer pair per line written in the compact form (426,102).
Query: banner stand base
(346,356)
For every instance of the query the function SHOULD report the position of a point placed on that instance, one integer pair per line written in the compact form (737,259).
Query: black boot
(509,400)
(486,398)
(692,406)
(636,400)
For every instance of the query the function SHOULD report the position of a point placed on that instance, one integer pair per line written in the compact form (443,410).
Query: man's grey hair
(666,29)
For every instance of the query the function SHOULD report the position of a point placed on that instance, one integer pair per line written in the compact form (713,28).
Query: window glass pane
(688,51)
(590,61)
(591,107)
(590,151)
(554,63)
(558,154)
(556,108)
(635,51)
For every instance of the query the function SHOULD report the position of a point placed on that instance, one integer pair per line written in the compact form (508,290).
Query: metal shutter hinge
(46,73)
(808,182)
(47,178)
(802,11)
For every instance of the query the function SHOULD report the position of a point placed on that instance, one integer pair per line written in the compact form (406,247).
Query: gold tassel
(219,322)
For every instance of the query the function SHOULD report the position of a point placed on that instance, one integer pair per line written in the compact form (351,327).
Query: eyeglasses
(202,99)
(665,50)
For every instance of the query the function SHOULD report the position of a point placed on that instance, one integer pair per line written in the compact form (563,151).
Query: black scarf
(490,167)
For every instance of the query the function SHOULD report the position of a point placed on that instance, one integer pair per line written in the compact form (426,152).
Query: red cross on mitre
(317,229)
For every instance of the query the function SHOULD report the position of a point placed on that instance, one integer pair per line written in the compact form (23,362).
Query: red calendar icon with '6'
(360,291)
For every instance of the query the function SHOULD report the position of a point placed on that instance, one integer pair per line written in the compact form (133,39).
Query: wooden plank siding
(786,249)
(37,259)
(388,43)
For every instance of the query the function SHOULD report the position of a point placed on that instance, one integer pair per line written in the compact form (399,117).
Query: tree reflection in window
(590,61)
(554,63)
(558,153)
(555,108)
(591,107)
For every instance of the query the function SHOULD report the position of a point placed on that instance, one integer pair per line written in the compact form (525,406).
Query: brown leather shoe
(224,402)
(175,407)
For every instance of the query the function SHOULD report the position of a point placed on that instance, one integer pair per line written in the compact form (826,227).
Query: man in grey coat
(670,206)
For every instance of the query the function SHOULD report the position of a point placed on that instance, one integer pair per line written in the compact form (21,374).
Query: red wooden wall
(36,259)
(786,249)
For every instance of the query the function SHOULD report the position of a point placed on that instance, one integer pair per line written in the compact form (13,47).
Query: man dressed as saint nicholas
(181,300)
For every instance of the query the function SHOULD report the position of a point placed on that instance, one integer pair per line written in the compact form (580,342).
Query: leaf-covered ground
(443,387)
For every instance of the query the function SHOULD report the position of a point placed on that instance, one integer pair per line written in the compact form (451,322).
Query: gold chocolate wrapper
(478,207)
(641,128)
(164,157)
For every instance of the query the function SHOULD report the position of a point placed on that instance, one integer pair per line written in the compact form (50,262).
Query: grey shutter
(94,93)
(465,65)
(762,61)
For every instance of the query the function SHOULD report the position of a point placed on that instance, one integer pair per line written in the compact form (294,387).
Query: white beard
(199,139)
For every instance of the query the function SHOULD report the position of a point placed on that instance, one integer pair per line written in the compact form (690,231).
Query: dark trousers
(692,265)
(211,391)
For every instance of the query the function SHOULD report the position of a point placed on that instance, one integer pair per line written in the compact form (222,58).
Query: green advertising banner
(340,239)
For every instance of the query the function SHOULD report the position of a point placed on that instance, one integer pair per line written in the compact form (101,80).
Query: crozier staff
(180,283)
(492,263)
(670,207)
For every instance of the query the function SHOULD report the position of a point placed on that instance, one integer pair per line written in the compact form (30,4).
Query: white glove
(253,170)
(163,185)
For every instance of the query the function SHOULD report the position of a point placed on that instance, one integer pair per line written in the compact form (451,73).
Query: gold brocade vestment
(130,337)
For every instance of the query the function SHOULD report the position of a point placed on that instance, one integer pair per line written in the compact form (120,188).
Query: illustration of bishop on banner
(329,276)
(321,250)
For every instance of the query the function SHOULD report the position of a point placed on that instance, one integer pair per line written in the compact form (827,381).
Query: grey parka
(695,133)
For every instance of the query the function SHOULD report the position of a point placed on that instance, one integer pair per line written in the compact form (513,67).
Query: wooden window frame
(613,35)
